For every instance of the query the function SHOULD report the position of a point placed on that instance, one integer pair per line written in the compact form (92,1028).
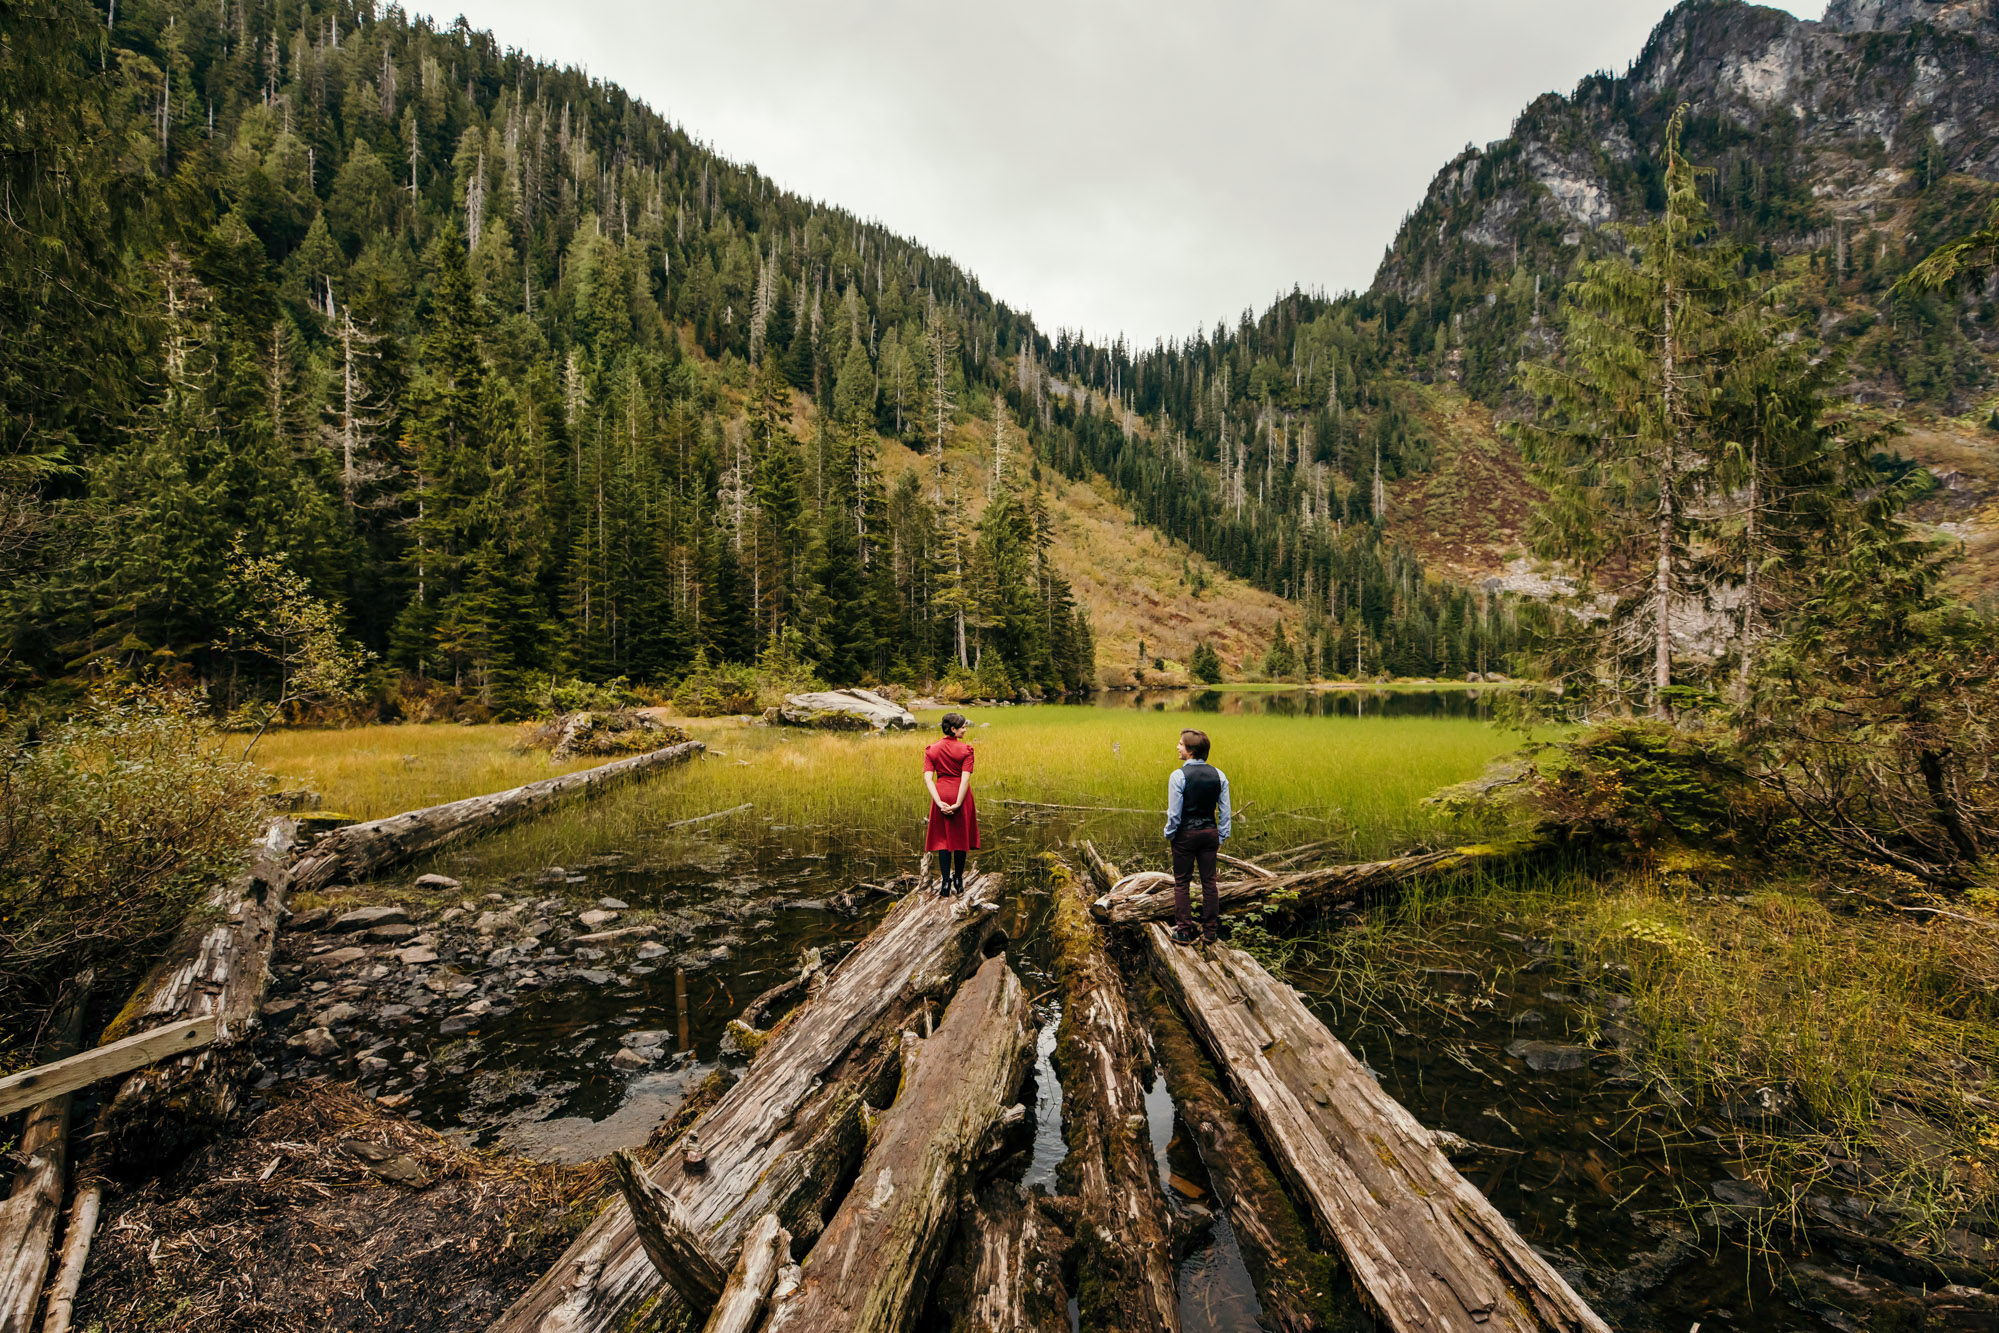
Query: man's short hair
(1196,743)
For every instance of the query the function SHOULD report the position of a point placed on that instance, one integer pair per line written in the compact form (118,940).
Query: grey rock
(372,1066)
(633,1058)
(648,1037)
(441,883)
(366,918)
(492,923)
(334,1015)
(553,875)
(1738,1193)
(1528,1018)
(418,954)
(310,919)
(596,917)
(648,952)
(317,1043)
(1547,1057)
(596,977)
(500,957)
(614,904)
(333,958)
(278,1008)
(457,1023)
(846,710)
(392,934)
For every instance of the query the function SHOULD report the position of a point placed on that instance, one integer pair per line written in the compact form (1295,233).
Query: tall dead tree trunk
(28,1214)
(1124,1234)
(783,1137)
(870,1270)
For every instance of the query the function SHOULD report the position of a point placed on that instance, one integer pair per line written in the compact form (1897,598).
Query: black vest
(1200,795)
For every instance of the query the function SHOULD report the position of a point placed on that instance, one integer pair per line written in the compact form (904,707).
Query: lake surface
(1591,1164)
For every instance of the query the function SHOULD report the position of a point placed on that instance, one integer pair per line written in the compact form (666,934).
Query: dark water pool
(1468,702)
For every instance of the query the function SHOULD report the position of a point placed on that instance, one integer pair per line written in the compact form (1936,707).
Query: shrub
(1648,781)
(550,696)
(113,826)
(1206,664)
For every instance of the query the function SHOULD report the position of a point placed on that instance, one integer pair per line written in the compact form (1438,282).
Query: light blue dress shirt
(1176,793)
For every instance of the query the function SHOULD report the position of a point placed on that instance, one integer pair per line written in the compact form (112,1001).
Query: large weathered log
(1009,1275)
(783,1136)
(1148,894)
(1301,1290)
(219,969)
(1122,1229)
(746,1296)
(78,1233)
(870,1270)
(360,850)
(1427,1248)
(29,1212)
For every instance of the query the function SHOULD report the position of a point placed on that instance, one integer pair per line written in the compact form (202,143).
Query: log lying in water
(1011,1248)
(219,969)
(1122,1226)
(1300,1289)
(1148,894)
(782,1137)
(360,850)
(1427,1248)
(870,1269)
(28,1214)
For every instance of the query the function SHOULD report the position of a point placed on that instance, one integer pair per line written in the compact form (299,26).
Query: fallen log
(870,1270)
(1009,1277)
(77,1234)
(20,1091)
(1123,1231)
(1428,1250)
(29,1212)
(219,969)
(1147,895)
(746,1297)
(783,1137)
(361,850)
(1300,1289)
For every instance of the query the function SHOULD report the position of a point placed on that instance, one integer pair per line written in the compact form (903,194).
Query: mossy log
(1008,1278)
(1147,895)
(361,850)
(782,1138)
(28,1214)
(871,1268)
(1428,1250)
(1123,1232)
(220,967)
(1301,1290)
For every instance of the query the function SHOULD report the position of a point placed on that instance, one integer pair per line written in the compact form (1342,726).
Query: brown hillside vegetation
(1125,573)
(1465,515)
(1963,455)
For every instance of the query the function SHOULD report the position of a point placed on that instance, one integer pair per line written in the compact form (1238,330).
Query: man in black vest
(1197,823)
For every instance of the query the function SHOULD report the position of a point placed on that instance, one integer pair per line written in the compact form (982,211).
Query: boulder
(596,917)
(366,918)
(442,883)
(846,710)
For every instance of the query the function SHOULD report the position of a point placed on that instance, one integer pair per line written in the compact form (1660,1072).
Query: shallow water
(1358,702)
(1588,1164)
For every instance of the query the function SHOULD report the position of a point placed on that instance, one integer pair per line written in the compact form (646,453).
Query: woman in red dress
(954,818)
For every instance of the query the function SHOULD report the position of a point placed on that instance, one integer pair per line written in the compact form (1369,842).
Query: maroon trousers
(1192,847)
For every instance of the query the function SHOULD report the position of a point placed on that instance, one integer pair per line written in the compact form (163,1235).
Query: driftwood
(1300,1289)
(78,1232)
(28,1214)
(1427,1248)
(673,1248)
(360,850)
(1148,894)
(219,969)
(20,1091)
(746,1296)
(1123,1231)
(783,1137)
(870,1270)
(1010,1279)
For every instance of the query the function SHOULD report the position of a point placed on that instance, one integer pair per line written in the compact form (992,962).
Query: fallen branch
(59,1078)
(746,1297)
(361,850)
(719,814)
(1136,898)
(1098,809)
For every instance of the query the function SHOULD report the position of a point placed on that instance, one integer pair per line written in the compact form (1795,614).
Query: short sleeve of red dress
(950,759)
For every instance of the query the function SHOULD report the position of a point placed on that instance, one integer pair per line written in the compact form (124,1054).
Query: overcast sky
(1134,166)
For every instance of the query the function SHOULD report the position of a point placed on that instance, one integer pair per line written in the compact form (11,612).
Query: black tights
(952,867)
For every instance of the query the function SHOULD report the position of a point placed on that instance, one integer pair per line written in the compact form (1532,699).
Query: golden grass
(372,772)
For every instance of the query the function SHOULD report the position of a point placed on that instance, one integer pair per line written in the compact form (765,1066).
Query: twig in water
(719,814)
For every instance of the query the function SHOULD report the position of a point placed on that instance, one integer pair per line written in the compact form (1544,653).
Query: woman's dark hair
(955,723)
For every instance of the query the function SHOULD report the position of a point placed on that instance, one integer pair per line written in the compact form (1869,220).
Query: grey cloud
(1109,165)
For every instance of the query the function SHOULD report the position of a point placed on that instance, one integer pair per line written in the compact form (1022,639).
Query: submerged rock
(846,710)
(365,918)
(1547,1057)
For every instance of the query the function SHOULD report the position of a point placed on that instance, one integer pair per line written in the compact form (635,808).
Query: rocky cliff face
(1857,140)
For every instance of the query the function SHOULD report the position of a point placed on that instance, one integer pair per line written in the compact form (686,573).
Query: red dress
(950,759)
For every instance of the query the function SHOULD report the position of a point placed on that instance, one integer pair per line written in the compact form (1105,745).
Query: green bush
(550,696)
(1647,781)
(1206,664)
(113,827)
